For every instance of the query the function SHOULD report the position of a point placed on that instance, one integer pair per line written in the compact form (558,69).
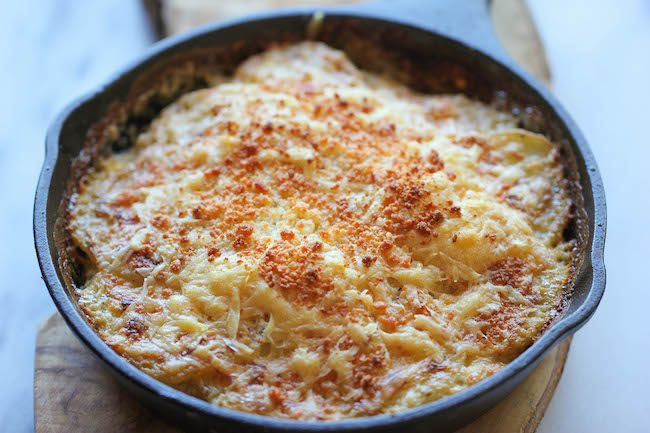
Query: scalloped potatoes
(311,241)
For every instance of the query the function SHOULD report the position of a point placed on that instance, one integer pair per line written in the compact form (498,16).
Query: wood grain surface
(72,391)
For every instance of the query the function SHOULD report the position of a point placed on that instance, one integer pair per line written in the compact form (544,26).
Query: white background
(599,53)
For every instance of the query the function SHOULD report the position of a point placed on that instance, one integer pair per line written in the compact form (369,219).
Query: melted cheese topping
(311,241)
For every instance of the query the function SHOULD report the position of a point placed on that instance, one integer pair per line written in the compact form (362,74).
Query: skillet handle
(465,20)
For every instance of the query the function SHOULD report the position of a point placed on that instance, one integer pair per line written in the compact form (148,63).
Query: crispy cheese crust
(307,240)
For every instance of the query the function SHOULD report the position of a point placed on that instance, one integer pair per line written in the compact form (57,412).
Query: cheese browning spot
(307,240)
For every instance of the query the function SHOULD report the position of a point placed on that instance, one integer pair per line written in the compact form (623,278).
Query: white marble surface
(599,51)
(51,51)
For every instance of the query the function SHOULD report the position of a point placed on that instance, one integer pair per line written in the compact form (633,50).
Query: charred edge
(139,121)
(571,230)
(382,49)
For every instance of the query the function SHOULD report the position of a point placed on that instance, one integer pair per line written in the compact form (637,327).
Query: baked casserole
(308,240)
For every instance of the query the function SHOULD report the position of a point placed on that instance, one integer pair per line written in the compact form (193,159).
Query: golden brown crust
(307,240)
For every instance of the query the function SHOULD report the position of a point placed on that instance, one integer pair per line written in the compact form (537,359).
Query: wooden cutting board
(72,391)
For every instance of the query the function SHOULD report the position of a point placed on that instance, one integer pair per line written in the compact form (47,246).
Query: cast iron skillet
(421,41)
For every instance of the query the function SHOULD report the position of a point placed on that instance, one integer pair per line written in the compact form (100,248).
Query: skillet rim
(593,248)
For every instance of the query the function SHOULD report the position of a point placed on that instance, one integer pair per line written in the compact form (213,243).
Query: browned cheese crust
(307,240)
